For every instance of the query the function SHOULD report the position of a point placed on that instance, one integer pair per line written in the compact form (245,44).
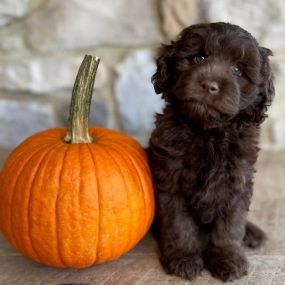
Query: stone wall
(42,43)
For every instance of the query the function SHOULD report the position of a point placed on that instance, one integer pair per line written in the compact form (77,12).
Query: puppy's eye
(199,59)
(236,71)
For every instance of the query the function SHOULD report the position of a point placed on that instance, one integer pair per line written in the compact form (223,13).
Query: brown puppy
(217,84)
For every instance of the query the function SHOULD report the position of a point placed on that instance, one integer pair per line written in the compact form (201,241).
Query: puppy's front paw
(188,266)
(225,263)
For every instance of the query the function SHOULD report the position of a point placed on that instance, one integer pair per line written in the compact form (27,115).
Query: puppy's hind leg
(254,236)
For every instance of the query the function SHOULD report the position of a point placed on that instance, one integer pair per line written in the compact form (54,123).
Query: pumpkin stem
(78,130)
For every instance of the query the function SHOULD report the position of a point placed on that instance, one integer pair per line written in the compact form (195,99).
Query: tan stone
(178,14)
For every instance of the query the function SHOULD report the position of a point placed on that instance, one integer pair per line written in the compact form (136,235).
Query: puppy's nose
(211,87)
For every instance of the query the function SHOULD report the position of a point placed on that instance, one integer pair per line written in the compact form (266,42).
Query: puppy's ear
(164,76)
(256,112)
(266,74)
(267,90)
(265,51)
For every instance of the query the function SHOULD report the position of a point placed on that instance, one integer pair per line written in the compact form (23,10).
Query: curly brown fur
(217,84)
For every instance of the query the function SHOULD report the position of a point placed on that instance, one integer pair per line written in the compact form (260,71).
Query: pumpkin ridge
(138,159)
(12,161)
(130,237)
(9,167)
(117,136)
(80,185)
(135,151)
(43,152)
(13,239)
(56,208)
(116,223)
(50,158)
(99,197)
(138,179)
(11,233)
(144,163)
(44,159)
(141,156)
(131,147)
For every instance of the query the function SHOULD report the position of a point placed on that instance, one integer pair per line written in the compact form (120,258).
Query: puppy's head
(215,72)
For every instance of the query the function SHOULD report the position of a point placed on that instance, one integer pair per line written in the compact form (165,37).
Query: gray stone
(176,15)
(136,98)
(20,119)
(279,62)
(279,133)
(277,110)
(265,19)
(273,129)
(11,40)
(12,9)
(70,24)
(43,74)
(266,137)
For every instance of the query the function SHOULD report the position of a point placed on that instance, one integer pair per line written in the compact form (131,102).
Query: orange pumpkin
(67,201)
